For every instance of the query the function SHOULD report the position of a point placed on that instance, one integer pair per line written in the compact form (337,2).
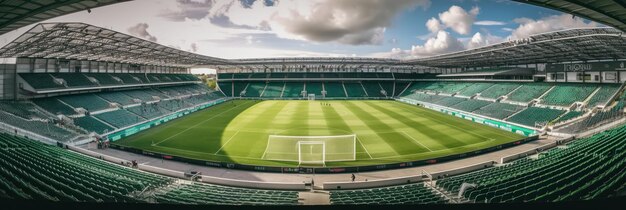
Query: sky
(400,29)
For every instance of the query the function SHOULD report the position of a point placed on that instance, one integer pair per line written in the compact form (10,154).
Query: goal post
(311,152)
(311,97)
(311,149)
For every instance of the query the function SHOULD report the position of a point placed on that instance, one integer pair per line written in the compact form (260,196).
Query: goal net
(311,149)
(311,97)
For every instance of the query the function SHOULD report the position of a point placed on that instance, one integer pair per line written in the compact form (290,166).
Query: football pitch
(386,132)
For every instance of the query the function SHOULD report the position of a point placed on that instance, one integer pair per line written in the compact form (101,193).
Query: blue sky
(399,29)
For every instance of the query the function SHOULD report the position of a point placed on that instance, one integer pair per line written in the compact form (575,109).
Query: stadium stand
(41,81)
(38,171)
(44,128)
(528,92)
(143,95)
(470,105)
(104,79)
(54,106)
(128,79)
(117,97)
(570,115)
(74,80)
(45,81)
(334,89)
(566,94)
(89,101)
(221,195)
(239,88)
(588,168)
(598,118)
(274,90)
(404,194)
(533,115)
(314,88)
(255,89)
(226,88)
(24,110)
(91,124)
(602,96)
(148,111)
(475,88)
(354,89)
(499,110)
(293,90)
(172,105)
(498,90)
(388,87)
(119,118)
(373,89)
(449,101)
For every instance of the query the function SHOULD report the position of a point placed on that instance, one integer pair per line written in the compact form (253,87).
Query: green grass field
(387,131)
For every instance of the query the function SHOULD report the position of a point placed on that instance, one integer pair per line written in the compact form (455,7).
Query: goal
(311,97)
(311,149)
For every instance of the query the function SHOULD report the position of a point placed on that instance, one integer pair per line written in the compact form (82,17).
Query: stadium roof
(15,14)
(338,60)
(560,46)
(609,12)
(86,42)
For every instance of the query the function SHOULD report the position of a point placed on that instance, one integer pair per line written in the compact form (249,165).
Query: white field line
(362,145)
(466,130)
(251,158)
(266,147)
(406,134)
(196,125)
(223,145)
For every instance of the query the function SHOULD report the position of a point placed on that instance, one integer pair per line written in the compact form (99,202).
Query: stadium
(91,114)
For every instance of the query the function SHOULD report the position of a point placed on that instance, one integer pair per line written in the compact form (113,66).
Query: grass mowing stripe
(252,144)
(362,131)
(382,128)
(196,125)
(231,138)
(395,140)
(334,120)
(460,127)
(423,128)
(416,141)
(361,143)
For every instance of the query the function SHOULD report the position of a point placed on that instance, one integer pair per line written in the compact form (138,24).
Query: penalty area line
(196,125)
(362,145)
(223,145)
(411,137)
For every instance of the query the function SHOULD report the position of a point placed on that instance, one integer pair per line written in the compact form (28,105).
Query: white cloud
(458,19)
(442,43)
(141,30)
(551,23)
(434,25)
(507,29)
(480,40)
(194,47)
(353,22)
(489,23)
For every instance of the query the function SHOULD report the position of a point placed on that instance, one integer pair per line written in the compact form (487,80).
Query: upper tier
(60,82)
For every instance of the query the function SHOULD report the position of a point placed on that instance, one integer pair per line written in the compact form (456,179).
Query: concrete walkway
(319,178)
